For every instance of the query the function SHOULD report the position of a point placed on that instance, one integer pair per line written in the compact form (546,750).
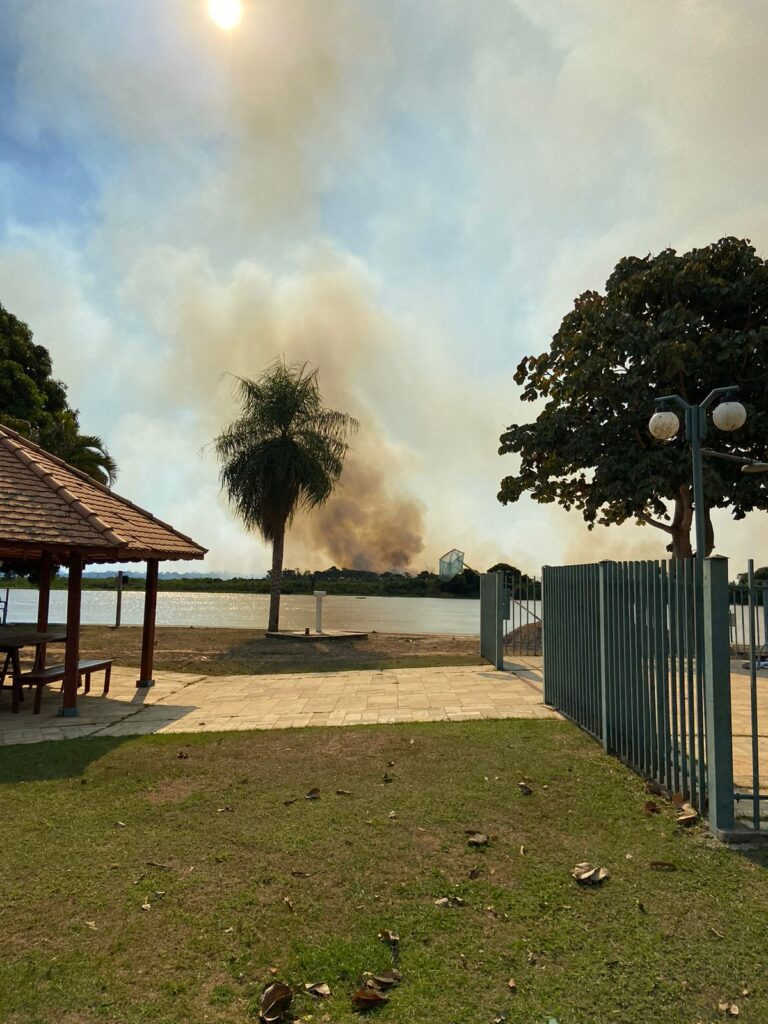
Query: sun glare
(226,13)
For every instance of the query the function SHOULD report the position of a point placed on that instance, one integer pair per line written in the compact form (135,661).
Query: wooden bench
(55,674)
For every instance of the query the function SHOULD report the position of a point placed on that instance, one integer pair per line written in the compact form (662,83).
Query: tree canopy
(34,403)
(284,453)
(666,324)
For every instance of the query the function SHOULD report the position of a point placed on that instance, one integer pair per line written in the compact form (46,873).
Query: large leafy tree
(666,324)
(34,403)
(284,453)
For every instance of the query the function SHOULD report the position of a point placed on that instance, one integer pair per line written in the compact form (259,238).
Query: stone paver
(183,703)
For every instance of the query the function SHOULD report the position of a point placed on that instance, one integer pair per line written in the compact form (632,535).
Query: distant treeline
(351,582)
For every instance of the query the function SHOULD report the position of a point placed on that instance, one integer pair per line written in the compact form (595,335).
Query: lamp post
(729,415)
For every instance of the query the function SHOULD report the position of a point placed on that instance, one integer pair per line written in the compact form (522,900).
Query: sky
(407,195)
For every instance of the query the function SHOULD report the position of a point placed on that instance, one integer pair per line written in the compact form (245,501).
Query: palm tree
(283,454)
(85,452)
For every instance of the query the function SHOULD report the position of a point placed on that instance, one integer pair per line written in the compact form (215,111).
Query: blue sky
(407,195)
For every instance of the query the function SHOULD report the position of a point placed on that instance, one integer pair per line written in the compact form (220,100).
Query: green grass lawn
(260,891)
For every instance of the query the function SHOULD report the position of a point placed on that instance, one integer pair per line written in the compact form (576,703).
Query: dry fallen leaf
(313,794)
(146,906)
(475,873)
(512,985)
(318,989)
(92,925)
(678,800)
(182,755)
(662,865)
(524,788)
(477,839)
(287,803)
(728,1008)
(288,903)
(651,808)
(228,931)
(688,815)
(300,874)
(275,1001)
(367,998)
(391,938)
(221,810)
(392,814)
(343,792)
(387,979)
(588,874)
(120,824)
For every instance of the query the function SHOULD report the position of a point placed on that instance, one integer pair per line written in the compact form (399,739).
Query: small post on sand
(119,604)
(319,595)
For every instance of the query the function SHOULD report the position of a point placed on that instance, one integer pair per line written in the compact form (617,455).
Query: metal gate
(637,654)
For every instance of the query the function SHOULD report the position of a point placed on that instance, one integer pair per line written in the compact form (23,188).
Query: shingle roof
(47,505)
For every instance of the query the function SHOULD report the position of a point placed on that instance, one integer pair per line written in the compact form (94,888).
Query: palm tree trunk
(276,579)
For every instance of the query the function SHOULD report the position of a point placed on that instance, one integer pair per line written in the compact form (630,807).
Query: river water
(382,614)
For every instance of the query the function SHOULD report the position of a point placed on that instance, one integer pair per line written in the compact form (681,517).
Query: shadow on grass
(54,759)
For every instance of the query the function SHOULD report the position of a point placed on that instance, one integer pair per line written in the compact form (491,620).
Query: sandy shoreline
(230,651)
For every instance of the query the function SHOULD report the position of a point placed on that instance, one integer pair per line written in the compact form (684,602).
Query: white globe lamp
(729,416)
(664,425)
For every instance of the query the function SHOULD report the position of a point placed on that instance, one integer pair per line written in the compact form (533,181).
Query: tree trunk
(681,524)
(276,580)
(709,534)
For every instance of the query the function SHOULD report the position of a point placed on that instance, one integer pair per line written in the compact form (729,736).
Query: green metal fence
(636,653)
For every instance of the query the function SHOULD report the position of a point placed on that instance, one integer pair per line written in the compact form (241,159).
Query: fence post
(605,658)
(717,695)
(491,618)
(545,570)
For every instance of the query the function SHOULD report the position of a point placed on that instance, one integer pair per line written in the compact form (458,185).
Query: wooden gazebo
(52,513)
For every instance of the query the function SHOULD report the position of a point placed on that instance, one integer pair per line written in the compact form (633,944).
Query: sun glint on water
(226,13)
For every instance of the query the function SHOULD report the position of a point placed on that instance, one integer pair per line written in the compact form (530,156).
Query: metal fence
(637,654)
(748,615)
(522,625)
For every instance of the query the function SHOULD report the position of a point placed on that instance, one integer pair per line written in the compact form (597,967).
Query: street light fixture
(729,415)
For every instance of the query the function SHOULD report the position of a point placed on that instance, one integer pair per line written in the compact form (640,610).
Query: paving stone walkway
(182,703)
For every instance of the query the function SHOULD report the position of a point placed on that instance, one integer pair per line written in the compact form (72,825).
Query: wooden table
(12,640)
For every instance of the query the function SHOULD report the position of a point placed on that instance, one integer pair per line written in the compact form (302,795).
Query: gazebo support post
(69,708)
(43,603)
(148,636)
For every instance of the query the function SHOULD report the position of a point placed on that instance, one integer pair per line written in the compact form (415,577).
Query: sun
(226,13)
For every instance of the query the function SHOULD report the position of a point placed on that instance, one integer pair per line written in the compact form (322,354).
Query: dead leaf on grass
(319,989)
(275,1001)
(651,807)
(368,998)
(476,838)
(588,874)
(524,788)
(387,979)
(449,901)
(146,906)
(313,794)
(512,985)
(120,824)
(392,814)
(287,803)
(182,755)
(475,873)
(343,792)
(288,904)
(688,816)
(662,865)
(91,925)
(678,800)
(391,938)
(300,874)
(390,764)
(728,1008)
(224,809)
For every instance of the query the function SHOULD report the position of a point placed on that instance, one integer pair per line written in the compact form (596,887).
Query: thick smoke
(363,526)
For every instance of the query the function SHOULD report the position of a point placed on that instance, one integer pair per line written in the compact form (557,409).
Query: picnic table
(15,638)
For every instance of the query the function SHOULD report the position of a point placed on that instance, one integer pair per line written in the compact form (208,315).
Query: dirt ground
(215,651)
